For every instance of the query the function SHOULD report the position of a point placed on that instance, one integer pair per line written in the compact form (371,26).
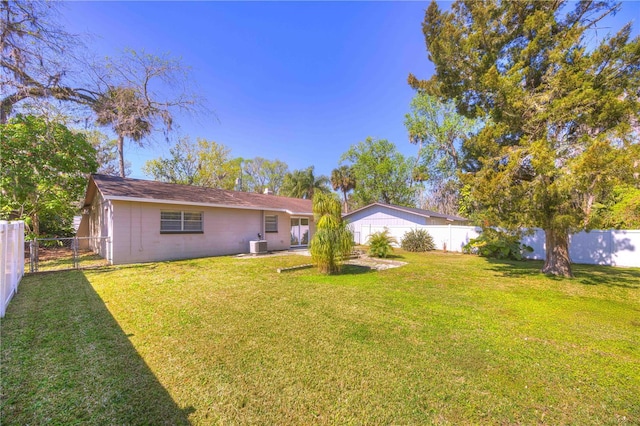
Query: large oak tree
(133,94)
(560,103)
(39,60)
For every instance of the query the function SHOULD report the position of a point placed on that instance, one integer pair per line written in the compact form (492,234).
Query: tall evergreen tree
(558,105)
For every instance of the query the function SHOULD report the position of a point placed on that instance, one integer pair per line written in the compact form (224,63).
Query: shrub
(497,244)
(417,240)
(333,240)
(380,243)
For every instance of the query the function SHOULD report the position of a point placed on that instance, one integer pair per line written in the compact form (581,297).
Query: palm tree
(127,113)
(343,178)
(333,240)
(303,184)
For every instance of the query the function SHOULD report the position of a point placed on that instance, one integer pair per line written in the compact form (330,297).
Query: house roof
(126,189)
(412,210)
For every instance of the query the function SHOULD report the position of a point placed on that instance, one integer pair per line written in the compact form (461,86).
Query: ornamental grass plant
(417,240)
(380,243)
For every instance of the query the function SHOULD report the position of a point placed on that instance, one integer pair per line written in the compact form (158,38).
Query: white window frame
(266,228)
(182,221)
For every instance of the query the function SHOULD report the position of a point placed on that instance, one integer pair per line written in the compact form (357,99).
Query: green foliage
(380,243)
(204,163)
(304,184)
(417,240)
(216,168)
(556,109)
(625,214)
(261,174)
(383,174)
(333,240)
(622,213)
(43,173)
(439,131)
(106,153)
(497,244)
(210,164)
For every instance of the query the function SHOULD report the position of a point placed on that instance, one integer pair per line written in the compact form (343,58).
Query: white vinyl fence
(11,261)
(613,247)
(449,237)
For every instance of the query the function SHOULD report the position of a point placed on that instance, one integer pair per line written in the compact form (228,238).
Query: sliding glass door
(299,231)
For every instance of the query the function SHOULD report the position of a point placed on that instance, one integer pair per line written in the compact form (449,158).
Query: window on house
(271,223)
(180,222)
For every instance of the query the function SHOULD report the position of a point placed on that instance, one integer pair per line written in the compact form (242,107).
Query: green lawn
(447,339)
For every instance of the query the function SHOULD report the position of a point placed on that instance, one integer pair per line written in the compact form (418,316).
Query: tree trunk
(35,224)
(557,260)
(121,154)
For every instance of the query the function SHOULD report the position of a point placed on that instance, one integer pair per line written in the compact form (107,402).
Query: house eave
(401,209)
(197,204)
(389,206)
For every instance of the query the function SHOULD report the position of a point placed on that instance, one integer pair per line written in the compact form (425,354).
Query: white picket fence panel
(11,261)
(612,247)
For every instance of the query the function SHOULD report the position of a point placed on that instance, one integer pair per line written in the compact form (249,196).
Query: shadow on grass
(355,269)
(586,274)
(65,360)
(514,268)
(392,256)
(607,275)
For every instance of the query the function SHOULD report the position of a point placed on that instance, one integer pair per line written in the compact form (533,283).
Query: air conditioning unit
(258,247)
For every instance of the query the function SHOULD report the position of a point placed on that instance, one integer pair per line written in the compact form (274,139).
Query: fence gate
(58,254)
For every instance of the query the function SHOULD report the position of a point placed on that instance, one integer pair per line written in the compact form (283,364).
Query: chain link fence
(58,254)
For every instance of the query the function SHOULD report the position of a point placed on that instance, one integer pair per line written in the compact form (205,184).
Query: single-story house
(148,221)
(377,216)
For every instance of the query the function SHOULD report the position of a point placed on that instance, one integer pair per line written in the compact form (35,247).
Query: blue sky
(294,81)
